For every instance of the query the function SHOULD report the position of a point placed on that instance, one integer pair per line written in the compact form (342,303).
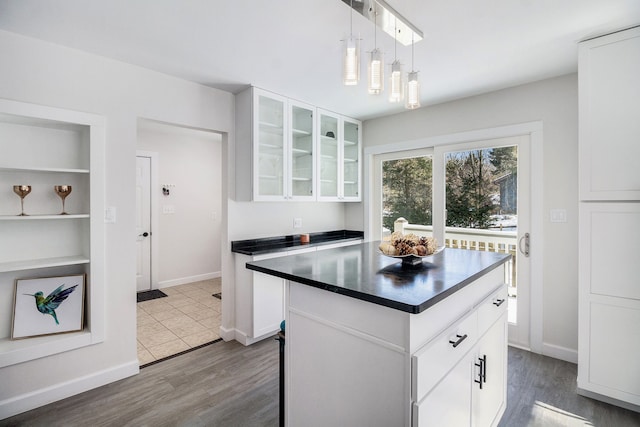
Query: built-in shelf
(18,351)
(43,146)
(300,152)
(300,132)
(271,128)
(43,170)
(328,139)
(42,263)
(41,217)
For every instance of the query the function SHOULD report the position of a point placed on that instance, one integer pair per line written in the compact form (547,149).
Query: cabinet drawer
(491,309)
(433,361)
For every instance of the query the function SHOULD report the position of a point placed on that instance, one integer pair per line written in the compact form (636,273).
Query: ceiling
(293,47)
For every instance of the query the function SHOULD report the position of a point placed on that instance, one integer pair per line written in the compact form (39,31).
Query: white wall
(189,239)
(42,73)
(555,103)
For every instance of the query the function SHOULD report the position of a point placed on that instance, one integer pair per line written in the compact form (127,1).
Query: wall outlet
(168,209)
(297,222)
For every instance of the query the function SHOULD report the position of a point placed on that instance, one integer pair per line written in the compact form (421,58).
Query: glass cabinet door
(328,155)
(302,165)
(270,148)
(351,160)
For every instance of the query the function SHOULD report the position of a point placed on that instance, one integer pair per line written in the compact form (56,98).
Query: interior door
(143,223)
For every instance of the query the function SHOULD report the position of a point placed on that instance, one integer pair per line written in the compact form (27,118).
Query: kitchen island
(371,342)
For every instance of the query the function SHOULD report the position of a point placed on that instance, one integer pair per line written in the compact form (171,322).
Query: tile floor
(188,317)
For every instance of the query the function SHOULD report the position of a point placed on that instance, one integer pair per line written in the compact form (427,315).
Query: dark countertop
(362,272)
(285,243)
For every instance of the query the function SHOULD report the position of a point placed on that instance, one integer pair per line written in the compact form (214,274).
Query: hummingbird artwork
(49,304)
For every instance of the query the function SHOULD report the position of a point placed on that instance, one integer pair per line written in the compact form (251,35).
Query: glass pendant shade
(351,66)
(413,91)
(376,72)
(396,86)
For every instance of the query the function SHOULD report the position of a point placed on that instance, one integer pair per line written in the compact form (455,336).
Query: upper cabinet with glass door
(288,150)
(338,158)
(302,145)
(275,141)
(269,146)
(351,159)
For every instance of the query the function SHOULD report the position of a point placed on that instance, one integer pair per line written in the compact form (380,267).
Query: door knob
(145,234)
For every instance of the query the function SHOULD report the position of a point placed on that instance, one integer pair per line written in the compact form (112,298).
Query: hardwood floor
(542,392)
(227,384)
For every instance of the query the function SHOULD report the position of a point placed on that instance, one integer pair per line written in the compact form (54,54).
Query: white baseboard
(35,399)
(558,352)
(241,337)
(189,279)
(227,334)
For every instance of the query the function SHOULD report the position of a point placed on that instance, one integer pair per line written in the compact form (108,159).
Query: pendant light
(413,86)
(396,86)
(376,63)
(351,66)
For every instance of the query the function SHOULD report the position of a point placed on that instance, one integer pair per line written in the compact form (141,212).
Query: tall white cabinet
(609,315)
(42,147)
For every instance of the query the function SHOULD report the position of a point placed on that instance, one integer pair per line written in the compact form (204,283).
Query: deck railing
(474,239)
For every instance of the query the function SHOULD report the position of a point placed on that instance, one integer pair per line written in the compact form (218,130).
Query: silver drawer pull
(498,302)
(460,339)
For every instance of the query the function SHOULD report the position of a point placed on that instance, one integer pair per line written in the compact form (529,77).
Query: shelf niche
(42,147)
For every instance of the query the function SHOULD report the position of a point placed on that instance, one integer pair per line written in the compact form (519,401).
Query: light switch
(110,215)
(297,222)
(558,215)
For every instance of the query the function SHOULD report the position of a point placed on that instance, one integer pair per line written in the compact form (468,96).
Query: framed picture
(48,305)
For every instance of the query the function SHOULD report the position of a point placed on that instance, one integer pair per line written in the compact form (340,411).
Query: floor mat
(149,295)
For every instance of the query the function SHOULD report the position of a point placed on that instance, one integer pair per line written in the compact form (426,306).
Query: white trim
(227,334)
(28,401)
(155,227)
(559,352)
(536,296)
(189,279)
(535,131)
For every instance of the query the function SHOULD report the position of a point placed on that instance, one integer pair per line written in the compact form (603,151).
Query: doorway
(182,169)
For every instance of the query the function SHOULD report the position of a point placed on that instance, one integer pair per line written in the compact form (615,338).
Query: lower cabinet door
(268,304)
(489,375)
(448,403)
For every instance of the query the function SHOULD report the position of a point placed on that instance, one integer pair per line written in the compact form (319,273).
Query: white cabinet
(43,147)
(460,377)
(260,297)
(609,87)
(291,153)
(339,162)
(276,142)
(609,316)
(609,296)
(350,362)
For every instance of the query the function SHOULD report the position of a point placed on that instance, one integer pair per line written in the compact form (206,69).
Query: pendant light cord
(412,47)
(351,19)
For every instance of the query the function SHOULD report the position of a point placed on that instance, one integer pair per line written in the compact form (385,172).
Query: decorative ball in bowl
(411,249)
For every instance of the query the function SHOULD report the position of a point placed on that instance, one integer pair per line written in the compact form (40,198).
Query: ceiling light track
(388,19)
